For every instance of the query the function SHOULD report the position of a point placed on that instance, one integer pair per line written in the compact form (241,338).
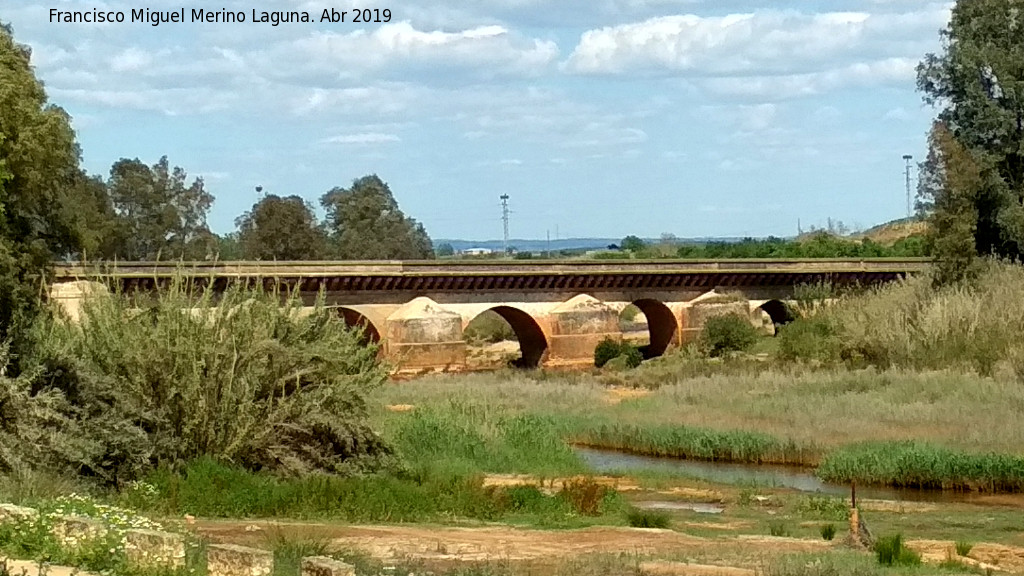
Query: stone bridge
(559,311)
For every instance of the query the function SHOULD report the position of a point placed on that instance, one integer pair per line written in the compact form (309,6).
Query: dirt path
(501,543)
(983,555)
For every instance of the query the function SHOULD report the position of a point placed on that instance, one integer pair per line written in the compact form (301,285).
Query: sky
(599,118)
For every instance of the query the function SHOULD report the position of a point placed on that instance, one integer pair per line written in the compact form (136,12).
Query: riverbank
(937,429)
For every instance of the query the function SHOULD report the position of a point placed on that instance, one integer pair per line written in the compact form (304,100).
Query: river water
(755,475)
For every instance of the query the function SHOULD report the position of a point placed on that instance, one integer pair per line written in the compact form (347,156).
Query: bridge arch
(778,311)
(533,344)
(662,326)
(355,319)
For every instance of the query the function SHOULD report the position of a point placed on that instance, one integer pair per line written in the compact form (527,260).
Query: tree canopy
(973,179)
(160,216)
(364,223)
(281,229)
(39,211)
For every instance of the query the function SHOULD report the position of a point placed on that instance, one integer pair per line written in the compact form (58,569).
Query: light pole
(504,219)
(907,158)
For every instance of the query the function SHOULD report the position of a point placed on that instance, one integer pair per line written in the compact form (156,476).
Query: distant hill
(892,232)
(524,245)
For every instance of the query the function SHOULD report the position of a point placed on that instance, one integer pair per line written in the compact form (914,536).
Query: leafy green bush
(164,379)
(727,333)
(648,519)
(963,548)
(890,551)
(813,338)
(606,350)
(610,349)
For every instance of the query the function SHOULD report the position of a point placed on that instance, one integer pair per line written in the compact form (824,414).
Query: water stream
(764,476)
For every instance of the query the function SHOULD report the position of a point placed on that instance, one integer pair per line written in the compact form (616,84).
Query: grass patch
(778,529)
(834,564)
(207,488)
(963,548)
(648,519)
(890,551)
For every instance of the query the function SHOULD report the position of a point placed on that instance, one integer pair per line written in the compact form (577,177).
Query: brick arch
(661,325)
(533,344)
(355,319)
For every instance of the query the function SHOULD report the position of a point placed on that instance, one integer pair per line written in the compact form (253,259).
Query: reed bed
(693,443)
(925,466)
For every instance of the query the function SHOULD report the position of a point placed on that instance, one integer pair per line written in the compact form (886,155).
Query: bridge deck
(252,269)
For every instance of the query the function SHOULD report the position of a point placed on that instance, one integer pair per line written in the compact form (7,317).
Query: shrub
(585,495)
(890,551)
(609,349)
(728,333)
(648,519)
(168,378)
(605,351)
(813,338)
(828,531)
(778,529)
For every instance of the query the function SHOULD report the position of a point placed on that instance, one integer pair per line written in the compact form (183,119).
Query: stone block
(150,548)
(231,560)
(324,566)
(73,531)
(9,513)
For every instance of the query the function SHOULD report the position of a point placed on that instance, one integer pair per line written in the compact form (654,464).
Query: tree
(281,229)
(445,250)
(632,244)
(160,217)
(364,223)
(978,81)
(39,218)
(951,181)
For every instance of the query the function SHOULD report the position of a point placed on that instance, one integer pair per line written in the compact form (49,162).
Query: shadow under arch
(661,325)
(370,333)
(532,342)
(778,311)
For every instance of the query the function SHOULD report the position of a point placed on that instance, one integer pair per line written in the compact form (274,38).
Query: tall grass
(207,488)
(466,437)
(922,465)
(915,325)
(692,443)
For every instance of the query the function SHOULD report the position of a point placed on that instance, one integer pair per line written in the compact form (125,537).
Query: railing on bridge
(321,269)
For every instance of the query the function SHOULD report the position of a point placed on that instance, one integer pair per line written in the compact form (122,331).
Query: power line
(504,218)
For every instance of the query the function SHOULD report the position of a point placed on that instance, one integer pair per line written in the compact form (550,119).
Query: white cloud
(765,45)
(363,138)
(399,47)
(130,60)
